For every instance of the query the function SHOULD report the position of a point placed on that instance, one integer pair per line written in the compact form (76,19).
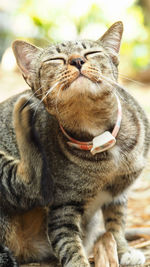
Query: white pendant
(103,142)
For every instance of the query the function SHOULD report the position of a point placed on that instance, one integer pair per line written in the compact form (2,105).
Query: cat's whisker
(129,79)
(31,97)
(39,95)
(33,105)
(109,80)
(98,85)
(58,94)
(126,77)
(48,92)
(112,82)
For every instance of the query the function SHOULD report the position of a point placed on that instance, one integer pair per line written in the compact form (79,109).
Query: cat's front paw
(132,257)
(23,115)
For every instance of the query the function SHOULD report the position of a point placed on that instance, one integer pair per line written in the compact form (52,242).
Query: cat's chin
(83,84)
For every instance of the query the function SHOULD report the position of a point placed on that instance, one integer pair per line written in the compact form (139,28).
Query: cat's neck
(89,118)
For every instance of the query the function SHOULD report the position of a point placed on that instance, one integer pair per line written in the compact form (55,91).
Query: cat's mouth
(80,79)
(88,73)
(82,83)
(83,79)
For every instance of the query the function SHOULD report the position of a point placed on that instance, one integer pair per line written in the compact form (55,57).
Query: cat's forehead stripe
(84,46)
(58,49)
(70,46)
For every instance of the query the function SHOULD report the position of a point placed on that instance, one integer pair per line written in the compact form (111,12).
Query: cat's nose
(77,62)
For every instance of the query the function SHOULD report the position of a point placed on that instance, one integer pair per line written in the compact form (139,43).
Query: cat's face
(65,73)
(74,68)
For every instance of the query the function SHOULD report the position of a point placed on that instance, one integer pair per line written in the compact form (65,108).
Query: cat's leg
(114,218)
(25,182)
(65,235)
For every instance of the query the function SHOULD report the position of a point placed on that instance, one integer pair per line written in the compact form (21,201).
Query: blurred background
(44,21)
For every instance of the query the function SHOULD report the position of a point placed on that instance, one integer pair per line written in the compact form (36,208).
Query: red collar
(101,142)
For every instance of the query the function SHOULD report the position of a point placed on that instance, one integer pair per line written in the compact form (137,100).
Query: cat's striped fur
(51,193)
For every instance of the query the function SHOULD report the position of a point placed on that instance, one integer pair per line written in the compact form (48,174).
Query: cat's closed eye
(92,53)
(58,60)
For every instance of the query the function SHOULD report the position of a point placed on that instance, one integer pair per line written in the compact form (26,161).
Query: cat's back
(134,116)
(133,137)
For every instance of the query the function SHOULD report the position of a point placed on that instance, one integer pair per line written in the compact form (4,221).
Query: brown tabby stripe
(69,255)
(8,185)
(78,206)
(63,44)
(1,155)
(60,237)
(64,244)
(69,226)
(84,46)
(113,230)
(109,220)
(11,185)
(4,165)
(58,218)
(58,49)
(119,213)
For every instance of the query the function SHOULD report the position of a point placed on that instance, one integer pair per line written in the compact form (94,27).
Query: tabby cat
(70,147)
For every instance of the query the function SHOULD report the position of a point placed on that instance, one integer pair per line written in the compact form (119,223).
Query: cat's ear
(112,38)
(25,54)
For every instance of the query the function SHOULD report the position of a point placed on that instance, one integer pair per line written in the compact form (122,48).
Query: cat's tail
(6,258)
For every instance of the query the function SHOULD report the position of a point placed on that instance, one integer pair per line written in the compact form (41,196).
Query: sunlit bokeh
(44,21)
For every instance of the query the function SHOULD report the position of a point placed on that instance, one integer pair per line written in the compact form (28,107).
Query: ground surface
(139,198)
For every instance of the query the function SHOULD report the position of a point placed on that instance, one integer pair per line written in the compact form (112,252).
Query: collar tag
(103,142)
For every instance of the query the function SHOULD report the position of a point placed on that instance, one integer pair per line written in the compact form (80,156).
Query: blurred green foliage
(45,21)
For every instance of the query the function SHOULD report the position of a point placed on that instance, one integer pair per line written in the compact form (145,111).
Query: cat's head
(64,73)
